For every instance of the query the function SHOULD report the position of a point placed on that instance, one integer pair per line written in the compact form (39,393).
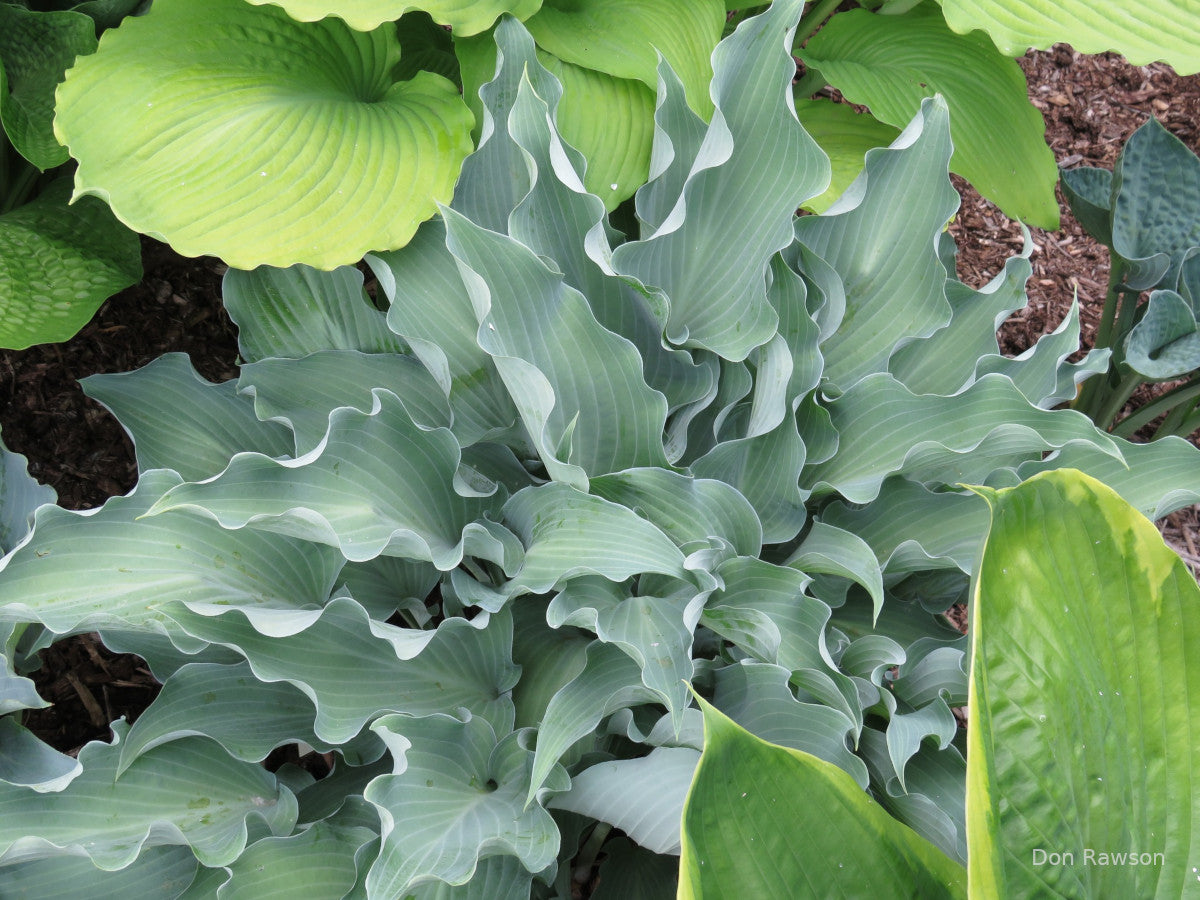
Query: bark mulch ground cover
(1091,105)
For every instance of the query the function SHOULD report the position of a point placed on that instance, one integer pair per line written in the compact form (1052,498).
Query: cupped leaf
(1165,344)
(456,798)
(1088,190)
(626,39)
(317,863)
(1105,621)
(463,16)
(180,793)
(1143,32)
(36,48)
(235,131)
(1154,229)
(891,63)
(58,263)
(25,761)
(751,802)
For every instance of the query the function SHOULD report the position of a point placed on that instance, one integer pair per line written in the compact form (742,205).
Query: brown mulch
(1091,104)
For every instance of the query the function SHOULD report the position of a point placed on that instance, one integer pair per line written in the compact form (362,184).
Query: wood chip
(88,699)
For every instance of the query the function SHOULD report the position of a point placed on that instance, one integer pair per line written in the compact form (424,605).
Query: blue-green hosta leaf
(353,668)
(788,293)
(458,795)
(1154,228)
(881,237)
(891,63)
(27,762)
(685,509)
(568,533)
(20,495)
(1042,372)
(656,633)
(766,471)
(464,16)
(555,216)
(755,166)
(845,136)
(757,696)
(934,804)
(247,717)
(946,361)
(749,795)
(159,872)
(178,420)
(16,691)
(317,863)
(1156,478)
(549,658)
(432,311)
(389,583)
(186,792)
(570,377)
(886,429)
(58,263)
(609,681)
(626,40)
(678,137)
(643,797)
(301,393)
(1165,344)
(112,568)
(906,731)
(912,529)
(495,878)
(1088,190)
(398,494)
(36,48)
(1142,32)
(829,550)
(1106,619)
(300,310)
(308,152)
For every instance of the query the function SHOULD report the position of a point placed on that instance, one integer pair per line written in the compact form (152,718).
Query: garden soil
(1091,105)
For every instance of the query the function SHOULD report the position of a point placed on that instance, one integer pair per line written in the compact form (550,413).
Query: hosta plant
(1147,212)
(475,542)
(58,262)
(313,131)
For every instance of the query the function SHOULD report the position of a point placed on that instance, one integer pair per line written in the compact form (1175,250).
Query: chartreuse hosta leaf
(755,165)
(1142,32)
(464,16)
(180,793)
(377,484)
(625,39)
(891,63)
(36,47)
(458,796)
(306,153)
(58,263)
(112,568)
(883,248)
(845,136)
(750,801)
(180,421)
(1107,621)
